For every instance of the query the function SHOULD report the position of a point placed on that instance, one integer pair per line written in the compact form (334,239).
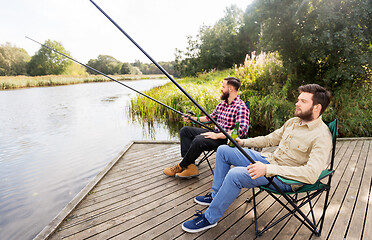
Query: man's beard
(306,116)
(224,96)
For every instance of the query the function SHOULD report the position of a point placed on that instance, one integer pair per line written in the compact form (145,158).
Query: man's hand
(257,170)
(238,141)
(212,135)
(186,118)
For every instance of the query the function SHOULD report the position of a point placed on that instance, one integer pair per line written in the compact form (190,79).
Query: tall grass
(10,82)
(271,93)
(205,89)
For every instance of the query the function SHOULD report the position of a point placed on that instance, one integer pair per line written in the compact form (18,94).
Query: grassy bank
(11,82)
(269,110)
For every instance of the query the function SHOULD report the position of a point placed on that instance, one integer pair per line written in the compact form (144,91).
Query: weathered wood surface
(135,200)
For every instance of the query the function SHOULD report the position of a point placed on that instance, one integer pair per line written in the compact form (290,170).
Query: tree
(220,47)
(106,64)
(320,41)
(13,60)
(46,61)
(216,46)
(125,68)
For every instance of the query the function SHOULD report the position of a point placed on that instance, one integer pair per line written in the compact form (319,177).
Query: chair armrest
(325,173)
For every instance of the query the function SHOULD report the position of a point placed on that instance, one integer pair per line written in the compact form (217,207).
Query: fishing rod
(270,179)
(99,72)
(176,83)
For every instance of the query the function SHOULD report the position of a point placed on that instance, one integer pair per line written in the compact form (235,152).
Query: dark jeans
(193,144)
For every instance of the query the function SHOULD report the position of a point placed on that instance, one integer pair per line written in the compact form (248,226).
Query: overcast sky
(158,26)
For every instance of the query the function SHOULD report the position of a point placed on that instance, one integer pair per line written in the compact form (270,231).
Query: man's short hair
(320,95)
(233,81)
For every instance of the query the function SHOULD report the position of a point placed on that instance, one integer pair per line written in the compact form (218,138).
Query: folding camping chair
(208,154)
(310,190)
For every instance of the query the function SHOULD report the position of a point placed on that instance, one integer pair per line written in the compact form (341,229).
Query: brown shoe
(171,171)
(189,172)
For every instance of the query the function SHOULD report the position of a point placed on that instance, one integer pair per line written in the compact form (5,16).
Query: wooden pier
(132,199)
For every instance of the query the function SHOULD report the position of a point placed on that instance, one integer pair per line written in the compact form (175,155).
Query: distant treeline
(15,61)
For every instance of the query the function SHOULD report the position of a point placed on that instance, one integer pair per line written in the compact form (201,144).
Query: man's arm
(272,139)
(213,135)
(242,116)
(201,119)
(310,172)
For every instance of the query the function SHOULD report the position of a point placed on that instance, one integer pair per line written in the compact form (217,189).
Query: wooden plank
(132,200)
(242,226)
(122,208)
(117,221)
(342,160)
(357,218)
(52,227)
(352,188)
(367,225)
(340,185)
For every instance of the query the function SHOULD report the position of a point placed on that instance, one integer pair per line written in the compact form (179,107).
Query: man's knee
(223,149)
(186,131)
(222,152)
(235,175)
(199,140)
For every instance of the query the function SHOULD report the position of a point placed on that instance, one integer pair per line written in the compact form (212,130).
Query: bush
(261,72)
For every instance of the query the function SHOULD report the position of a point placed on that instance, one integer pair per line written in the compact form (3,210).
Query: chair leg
(321,220)
(251,198)
(255,213)
(311,209)
(205,158)
(210,167)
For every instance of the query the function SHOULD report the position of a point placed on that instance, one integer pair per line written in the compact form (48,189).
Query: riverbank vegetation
(273,48)
(270,106)
(15,61)
(15,82)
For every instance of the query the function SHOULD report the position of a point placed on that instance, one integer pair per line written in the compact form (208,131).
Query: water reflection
(54,140)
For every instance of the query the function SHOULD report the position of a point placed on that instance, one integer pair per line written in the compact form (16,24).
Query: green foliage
(206,94)
(150,68)
(262,72)
(47,62)
(272,102)
(353,108)
(106,64)
(323,41)
(13,60)
(75,69)
(125,68)
(217,46)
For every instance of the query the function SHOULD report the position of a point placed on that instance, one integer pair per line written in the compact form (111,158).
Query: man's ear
(231,88)
(318,108)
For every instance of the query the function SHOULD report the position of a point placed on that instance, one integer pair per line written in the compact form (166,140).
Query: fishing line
(270,179)
(99,72)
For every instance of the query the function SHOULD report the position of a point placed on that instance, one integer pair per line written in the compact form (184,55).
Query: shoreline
(19,82)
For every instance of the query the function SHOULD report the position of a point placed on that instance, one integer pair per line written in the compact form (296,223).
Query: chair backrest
(333,127)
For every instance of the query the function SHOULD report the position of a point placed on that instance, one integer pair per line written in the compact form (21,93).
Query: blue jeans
(227,182)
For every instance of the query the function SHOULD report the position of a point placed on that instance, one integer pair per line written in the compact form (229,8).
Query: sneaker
(189,172)
(172,171)
(200,223)
(204,200)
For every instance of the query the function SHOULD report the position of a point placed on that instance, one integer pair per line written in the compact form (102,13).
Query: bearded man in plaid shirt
(196,140)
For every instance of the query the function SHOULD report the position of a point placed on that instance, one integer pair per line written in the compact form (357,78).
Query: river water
(54,140)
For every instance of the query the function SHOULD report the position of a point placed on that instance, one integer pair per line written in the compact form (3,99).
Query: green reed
(205,89)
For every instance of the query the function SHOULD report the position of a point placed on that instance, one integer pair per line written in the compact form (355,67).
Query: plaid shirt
(226,116)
